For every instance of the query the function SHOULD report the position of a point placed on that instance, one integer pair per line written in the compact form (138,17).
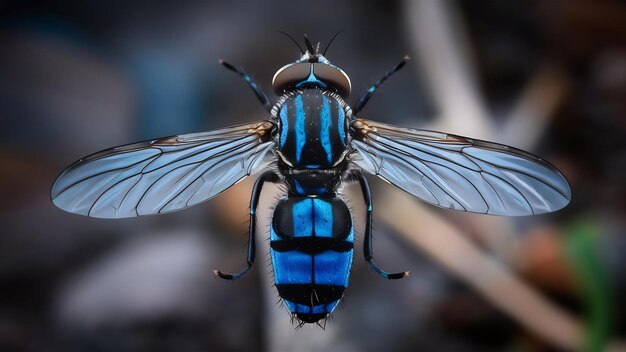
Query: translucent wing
(459,173)
(165,174)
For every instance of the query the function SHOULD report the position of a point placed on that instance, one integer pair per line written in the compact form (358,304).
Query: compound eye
(333,76)
(290,75)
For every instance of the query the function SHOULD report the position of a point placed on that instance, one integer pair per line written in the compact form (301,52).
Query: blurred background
(80,76)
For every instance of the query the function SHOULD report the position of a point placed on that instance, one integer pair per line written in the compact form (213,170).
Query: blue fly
(313,143)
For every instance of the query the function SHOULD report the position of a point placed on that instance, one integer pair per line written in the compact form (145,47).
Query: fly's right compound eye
(334,77)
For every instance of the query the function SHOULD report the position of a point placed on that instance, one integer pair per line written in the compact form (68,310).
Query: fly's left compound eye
(289,76)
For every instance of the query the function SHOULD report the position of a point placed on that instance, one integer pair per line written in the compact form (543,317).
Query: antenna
(332,40)
(293,40)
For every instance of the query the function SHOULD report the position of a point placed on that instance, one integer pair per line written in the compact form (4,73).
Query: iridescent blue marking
(331,306)
(299,188)
(301,308)
(324,308)
(350,237)
(300,128)
(325,128)
(323,218)
(312,80)
(341,124)
(273,235)
(333,268)
(321,308)
(290,305)
(302,214)
(292,267)
(284,125)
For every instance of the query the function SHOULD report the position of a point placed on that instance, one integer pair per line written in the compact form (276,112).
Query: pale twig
(533,110)
(429,233)
(442,53)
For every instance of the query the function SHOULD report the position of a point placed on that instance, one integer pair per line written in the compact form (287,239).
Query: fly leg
(268,176)
(366,97)
(367,243)
(255,87)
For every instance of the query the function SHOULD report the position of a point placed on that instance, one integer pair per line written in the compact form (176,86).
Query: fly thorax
(313,129)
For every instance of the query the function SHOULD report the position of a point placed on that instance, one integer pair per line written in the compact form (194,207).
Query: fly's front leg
(255,87)
(268,176)
(368,251)
(366,97)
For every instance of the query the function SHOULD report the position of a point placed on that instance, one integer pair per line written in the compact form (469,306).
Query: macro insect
(313,143)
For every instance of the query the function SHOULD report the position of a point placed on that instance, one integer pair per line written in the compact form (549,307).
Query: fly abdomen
(311,247)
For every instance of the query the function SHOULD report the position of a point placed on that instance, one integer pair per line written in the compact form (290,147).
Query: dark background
(80,76)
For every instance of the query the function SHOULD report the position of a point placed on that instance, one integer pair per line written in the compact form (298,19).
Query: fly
(313,142)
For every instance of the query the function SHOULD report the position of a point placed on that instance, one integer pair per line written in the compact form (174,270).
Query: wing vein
(189,184)
(424,162)
(103,172)
(197,163)
(422,173)
(525,174)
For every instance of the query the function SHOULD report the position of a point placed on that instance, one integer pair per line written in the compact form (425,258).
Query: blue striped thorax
(313,129)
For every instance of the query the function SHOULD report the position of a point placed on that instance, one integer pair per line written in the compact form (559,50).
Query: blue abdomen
(313,130)
(311,249)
